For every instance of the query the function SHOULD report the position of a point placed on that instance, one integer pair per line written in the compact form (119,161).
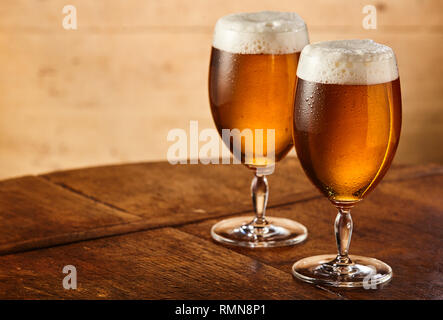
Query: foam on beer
(266,32)
(363,62)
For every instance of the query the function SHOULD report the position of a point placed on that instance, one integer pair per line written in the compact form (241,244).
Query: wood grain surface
(142,231)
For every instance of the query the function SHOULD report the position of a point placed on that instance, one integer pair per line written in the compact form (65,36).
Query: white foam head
(266,32)
(348,62)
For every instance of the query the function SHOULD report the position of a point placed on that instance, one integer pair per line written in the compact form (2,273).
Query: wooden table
(142,231)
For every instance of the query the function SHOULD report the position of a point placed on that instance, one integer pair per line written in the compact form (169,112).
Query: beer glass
(252,82)
(347,119)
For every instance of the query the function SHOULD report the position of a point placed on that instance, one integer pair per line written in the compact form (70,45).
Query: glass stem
(343,232)
(259,193)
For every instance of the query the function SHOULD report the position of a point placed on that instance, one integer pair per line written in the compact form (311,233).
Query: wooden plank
(400,223)
(27,15)
(407,235)
(160,194)
(36,213)
(194,192)
(157,264)
(150,199)
(165,193)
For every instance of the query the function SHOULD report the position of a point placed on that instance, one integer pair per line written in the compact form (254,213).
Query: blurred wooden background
(110,91)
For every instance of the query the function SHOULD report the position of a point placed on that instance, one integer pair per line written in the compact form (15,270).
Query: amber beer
(347,119)
(252,91)
(252,78)
(347,123)
(252,83)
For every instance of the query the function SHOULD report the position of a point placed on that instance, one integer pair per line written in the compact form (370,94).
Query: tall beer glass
(252,80)
(347,119)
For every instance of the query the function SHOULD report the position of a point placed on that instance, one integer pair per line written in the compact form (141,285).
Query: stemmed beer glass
(252,81)
(347,119)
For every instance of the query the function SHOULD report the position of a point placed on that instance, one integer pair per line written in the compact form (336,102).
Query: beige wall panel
(121,14)
(110,91)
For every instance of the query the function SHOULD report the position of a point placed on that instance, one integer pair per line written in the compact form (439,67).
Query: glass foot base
(242,232)
(363,272)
